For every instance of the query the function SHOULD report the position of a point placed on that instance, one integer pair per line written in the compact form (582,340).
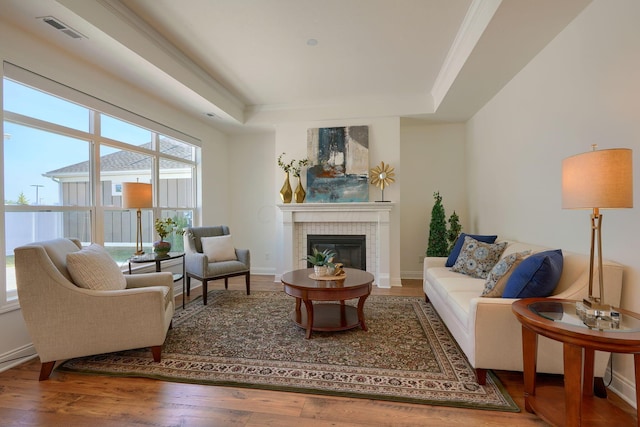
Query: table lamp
(137,195)
(595,180)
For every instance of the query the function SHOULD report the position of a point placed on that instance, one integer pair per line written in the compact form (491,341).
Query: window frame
(8,299)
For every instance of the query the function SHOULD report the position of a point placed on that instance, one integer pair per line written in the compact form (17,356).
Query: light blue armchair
(200,267)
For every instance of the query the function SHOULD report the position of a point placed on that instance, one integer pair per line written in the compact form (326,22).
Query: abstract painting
(339,164)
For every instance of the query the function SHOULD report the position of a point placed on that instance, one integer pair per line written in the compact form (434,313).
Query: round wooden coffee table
(328,316)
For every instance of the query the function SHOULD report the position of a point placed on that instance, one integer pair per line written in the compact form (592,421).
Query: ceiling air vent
(59,25)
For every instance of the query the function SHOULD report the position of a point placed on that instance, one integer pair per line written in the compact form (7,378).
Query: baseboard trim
(623,387)
(263,271)
(411,274)
(17,357)
(396,281)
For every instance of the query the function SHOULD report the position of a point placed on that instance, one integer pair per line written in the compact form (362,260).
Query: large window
(64,166)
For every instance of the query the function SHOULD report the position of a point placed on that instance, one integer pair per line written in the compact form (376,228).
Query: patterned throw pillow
(455,251)
(497,278)
(476,258)
(93,268)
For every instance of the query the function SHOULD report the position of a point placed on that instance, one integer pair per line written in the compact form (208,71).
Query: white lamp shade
(598,179)
(136,195)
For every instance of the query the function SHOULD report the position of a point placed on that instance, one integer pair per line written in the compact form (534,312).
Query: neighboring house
(116,168)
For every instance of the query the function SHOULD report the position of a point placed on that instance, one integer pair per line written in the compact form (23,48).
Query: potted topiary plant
(321,261)
(454,230)
(437,246)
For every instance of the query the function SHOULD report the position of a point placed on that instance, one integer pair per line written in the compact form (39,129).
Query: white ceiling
(249,61)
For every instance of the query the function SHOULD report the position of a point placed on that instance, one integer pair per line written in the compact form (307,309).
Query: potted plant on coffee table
(322,261)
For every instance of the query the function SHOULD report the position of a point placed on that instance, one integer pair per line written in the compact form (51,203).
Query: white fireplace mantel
(374,216)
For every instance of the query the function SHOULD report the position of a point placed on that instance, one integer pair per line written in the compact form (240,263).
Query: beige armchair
(67,321)
(204,268)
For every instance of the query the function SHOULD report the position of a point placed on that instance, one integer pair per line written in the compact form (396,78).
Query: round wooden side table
(158,260)
(558,320)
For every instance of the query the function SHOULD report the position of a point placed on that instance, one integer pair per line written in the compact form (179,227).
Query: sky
(30,152)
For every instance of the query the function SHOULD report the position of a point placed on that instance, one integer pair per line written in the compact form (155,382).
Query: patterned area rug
(250,341)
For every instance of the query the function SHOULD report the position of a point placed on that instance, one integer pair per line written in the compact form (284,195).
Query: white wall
(38,56)
(252,205)
(215,185)
(583,88)
(384,145)
(433,158)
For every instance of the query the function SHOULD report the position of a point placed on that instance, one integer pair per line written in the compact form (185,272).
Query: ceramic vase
(161,247)
(320,270)
(285,192)
(300,194)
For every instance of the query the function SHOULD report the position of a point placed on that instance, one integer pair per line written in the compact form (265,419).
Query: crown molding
(473,26)
(125,27)
(342,108)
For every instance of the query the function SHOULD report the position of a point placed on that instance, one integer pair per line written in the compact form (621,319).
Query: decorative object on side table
(382,176)
(164,227)
(137,195)
(594,180)
(321,261)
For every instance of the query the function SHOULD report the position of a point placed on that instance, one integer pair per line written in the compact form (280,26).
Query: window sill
(10,306)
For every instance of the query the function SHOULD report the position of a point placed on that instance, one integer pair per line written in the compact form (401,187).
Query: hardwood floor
(88,400)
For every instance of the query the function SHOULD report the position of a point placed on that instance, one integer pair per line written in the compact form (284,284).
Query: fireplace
(300,220)
(351,250)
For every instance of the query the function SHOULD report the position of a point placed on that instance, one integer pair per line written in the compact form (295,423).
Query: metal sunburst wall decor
(382,176)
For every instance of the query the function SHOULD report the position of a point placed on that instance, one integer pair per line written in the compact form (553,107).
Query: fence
(119,228)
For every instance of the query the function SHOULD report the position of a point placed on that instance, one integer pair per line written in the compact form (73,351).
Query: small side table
(557,319)
(146,258)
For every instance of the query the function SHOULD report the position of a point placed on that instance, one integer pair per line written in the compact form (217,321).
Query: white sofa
(486,329)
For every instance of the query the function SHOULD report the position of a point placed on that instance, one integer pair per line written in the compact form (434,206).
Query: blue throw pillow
(536,276)
(453,256)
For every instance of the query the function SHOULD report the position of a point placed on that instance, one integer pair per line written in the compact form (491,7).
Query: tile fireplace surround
(369,219)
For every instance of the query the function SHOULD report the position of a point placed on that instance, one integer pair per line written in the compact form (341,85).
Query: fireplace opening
(351,250)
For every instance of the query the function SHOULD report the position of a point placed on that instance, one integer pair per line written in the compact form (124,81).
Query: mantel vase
(285,192)
(300,194)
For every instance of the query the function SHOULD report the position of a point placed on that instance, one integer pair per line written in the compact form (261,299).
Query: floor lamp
(136,195)
(595,180)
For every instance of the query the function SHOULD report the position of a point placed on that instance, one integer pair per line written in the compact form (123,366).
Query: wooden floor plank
(392,414)
(71,399)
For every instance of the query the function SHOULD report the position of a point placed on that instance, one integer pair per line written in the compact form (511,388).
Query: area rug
(406,355)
